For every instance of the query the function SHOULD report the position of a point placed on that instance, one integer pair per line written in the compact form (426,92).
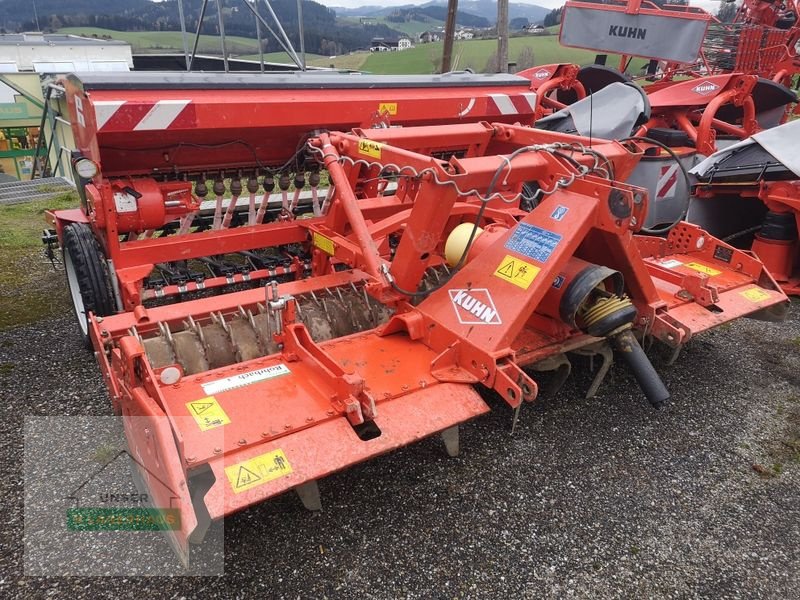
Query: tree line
(323,33)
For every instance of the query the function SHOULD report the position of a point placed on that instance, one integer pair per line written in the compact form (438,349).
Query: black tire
(88,278)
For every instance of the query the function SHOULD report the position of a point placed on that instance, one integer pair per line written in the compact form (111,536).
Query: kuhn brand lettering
(705,87)
(474,306)
(624,31)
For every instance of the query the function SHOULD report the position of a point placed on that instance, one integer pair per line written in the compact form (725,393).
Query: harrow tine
(607,355)
(450,437)
(308,493)
(515,420)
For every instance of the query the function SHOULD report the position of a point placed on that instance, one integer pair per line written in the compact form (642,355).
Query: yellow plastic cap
(457,241)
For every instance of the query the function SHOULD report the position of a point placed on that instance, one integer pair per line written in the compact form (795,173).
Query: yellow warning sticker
(517,271)
(323,243)
(755,294)
(703,268)
(370,148)
(208,413)
(258,471)
(388,107)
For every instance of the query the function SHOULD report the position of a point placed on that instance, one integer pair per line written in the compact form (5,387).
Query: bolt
(309,419)
(99,319)
(104,333)
(287,426)
(404,388)
(330,413)
(264,434)
(242,442)
(217,450)
(190,459)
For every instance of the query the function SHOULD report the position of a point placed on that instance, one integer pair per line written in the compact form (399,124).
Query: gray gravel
(602,498)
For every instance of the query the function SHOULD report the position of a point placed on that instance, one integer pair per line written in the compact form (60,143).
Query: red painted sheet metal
(392,367)
(318,451)
(695,92)
(215,128)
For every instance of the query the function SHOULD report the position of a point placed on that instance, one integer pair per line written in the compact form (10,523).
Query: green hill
(474,54)
(160,41)
(423,58)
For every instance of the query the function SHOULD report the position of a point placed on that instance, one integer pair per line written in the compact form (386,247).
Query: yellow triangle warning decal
(517,271)
(245,477)
(258,470)
(207,413)
(200,407)
(506,270)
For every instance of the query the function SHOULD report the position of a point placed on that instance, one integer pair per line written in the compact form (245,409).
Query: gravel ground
(602,497)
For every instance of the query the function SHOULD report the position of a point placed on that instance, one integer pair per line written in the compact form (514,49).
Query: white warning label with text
(242,379)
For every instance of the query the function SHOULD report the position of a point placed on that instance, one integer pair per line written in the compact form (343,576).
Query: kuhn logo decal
(474,307)
(705,88)
(542,74)
(623,31)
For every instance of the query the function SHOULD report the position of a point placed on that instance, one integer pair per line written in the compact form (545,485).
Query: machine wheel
(87,276)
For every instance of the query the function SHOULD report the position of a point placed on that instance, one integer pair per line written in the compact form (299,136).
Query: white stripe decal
(531,98)
(161,115)
(667,182)
(104,110)
(503,104)
(469,107)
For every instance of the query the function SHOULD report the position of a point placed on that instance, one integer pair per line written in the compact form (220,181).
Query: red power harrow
(441,261)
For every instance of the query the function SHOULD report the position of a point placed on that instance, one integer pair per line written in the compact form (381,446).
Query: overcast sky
(709,5)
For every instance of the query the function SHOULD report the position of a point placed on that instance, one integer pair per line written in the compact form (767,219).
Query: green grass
(282,57)
(474,54)
(159,41)
(29,288)
(352,62)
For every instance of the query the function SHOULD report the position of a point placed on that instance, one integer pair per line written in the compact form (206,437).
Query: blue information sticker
(559,213)
(533,242)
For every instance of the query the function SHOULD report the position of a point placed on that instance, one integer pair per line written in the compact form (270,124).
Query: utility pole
(449,34)
(502,36)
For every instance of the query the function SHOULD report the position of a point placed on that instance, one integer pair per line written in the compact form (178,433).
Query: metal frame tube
(197,35)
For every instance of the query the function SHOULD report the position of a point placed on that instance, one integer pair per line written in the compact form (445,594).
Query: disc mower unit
(749,193)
